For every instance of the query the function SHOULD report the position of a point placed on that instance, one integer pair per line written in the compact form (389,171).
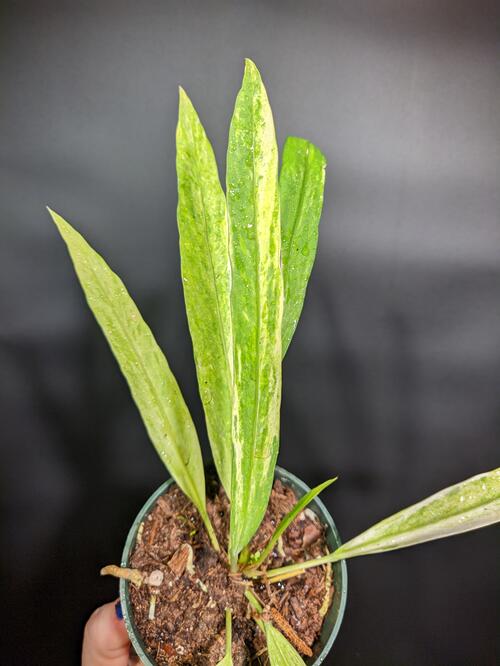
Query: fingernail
(118,610)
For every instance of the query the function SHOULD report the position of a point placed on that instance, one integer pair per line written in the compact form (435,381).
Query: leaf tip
(251,68)
(56,218)
(183,98)
(296,143)
(186,108)
(328,482)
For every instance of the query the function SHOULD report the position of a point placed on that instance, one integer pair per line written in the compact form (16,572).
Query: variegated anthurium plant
(246,254)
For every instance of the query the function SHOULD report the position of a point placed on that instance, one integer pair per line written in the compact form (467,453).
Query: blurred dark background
(393,379)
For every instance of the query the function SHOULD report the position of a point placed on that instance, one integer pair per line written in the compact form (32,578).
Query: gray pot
(332,621)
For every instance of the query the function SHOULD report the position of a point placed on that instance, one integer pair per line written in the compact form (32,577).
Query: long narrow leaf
(288,519)
(204,246)
(281,652)
(466,506)
(256,306)
(228,658)
(302,181)
(152,384)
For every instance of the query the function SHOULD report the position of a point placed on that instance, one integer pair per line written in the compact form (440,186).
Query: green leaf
(254,602)
(302,181)
(256,306)
(288,519)
(228,659)
(466,506)
(144,366)
(281,652)
(206,275)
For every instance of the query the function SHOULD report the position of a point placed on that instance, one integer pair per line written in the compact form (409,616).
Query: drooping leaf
(152,384)
(281,652)
(466,506)
(206,275)
(288,519)
(228,658)
(302,181)
(256,306)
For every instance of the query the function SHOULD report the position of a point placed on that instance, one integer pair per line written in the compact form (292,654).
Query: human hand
(105,639)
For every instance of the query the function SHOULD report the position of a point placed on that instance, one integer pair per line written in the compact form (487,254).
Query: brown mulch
(188,618)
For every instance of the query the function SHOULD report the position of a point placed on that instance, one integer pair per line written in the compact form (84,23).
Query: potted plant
(249,565)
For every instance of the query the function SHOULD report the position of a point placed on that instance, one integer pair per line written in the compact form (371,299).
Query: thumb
(105,639)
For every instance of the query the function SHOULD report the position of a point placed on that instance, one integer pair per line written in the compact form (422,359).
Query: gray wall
(393,379)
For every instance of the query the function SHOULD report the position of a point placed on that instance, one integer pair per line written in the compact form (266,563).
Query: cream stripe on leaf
(256,306)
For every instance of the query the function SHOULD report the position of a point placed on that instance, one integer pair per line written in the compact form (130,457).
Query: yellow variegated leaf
(466,506)
(302,181)
(256,306)
(152,384)
(206,276)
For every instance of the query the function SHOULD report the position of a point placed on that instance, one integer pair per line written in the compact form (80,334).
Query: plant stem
(233,563)
(254,602)
(286,576)
(211,532)
(256,605)
(229,638)
(299,567)
(254,573)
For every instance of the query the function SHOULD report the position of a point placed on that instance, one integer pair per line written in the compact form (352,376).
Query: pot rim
(325,517)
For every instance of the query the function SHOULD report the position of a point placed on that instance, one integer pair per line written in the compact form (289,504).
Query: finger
(105,639)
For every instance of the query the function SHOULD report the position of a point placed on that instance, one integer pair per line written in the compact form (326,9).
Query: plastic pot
(334,617)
